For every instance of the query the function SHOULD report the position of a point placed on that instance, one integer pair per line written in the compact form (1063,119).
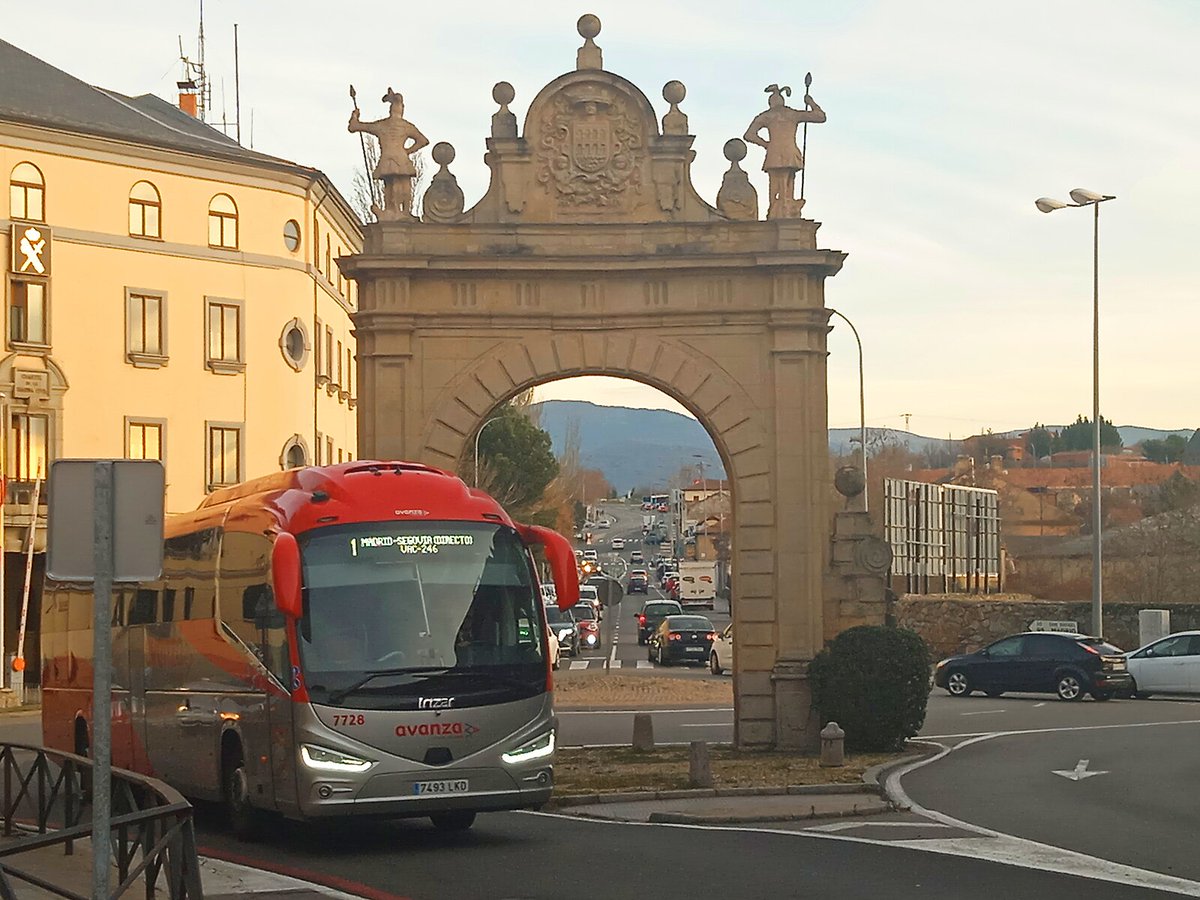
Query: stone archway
(592,253)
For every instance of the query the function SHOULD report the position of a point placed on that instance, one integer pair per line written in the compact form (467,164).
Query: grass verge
(639,691)
(608,770)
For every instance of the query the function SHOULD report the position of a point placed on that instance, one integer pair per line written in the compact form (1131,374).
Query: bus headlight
(538,748)
(325,760)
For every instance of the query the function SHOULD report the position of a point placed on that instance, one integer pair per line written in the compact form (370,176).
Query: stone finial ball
(503,93)
(443,153)
(588,26)
(849,481)
(735,150)
(674,92)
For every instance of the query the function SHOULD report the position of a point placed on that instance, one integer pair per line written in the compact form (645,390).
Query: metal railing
(47,801)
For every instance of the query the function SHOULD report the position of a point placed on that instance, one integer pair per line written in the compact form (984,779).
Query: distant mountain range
(637,448)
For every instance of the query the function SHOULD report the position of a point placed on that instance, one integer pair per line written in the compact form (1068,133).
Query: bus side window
(189,599)
(141,611)
(168,605)
(118,614)
(247,606)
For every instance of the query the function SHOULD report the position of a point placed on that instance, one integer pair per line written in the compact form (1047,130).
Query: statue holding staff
(398,140)
(784,157)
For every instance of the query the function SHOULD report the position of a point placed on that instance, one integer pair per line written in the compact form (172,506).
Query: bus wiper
(339,695)
(487,673)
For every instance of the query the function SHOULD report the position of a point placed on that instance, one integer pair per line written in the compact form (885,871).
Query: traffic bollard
(699,766)
(643,733)
(833,751)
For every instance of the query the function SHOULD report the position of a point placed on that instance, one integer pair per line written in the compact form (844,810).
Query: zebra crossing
(581,664)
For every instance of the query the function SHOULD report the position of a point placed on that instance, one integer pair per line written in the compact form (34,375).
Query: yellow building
(169,294)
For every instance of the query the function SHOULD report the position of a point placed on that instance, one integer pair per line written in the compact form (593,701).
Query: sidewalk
(713,809)
(221,880)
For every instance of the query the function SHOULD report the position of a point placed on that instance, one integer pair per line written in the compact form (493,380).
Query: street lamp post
(862,407)
(1083,197)
(477,434)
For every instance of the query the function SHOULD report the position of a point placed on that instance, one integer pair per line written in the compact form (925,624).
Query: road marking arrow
(1080,771)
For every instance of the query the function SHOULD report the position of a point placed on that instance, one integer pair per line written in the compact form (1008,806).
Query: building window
(293,343)
(329,451)
(317,449)
(145,211)
(146,328)
(339,381)
(328,352)
(316,243)
(295,453)
(328,262)
(27,312)
(27,447)
(223,455)
(222,222)
(144,438)
(27,193)
(225,339)
(291,235)
(318,356)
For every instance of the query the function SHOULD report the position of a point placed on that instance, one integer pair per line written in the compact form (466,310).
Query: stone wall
(959,625)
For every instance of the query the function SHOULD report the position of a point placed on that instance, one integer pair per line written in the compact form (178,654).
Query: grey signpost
(104,524)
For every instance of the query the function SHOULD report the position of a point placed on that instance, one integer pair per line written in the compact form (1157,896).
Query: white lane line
(645,664)
(1015,852)
(577,664)
(983,712)
(979,734)
(1039,705)
(850,826)
(614,664)
(707,725)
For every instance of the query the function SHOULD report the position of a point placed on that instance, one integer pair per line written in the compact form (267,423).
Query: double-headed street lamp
(862,407)
(477,434)
(1082,197)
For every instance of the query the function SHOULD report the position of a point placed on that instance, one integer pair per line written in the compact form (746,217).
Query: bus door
(263,707)
(273,647)
(129,707)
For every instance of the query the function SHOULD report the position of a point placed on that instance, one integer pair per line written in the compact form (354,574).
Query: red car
(589,626)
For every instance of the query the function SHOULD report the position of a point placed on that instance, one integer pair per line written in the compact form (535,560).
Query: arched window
(222,222)
(145,211)
(27,193)
(295,453)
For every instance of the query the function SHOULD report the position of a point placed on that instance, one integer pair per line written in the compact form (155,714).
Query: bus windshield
(423,605)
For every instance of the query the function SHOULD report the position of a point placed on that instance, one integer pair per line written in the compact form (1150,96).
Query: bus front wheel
(244,820)
(453,820)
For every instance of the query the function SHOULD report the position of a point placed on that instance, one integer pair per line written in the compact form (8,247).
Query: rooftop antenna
(237,86)
(195,92)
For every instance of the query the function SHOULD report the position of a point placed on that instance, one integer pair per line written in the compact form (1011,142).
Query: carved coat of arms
(591,148)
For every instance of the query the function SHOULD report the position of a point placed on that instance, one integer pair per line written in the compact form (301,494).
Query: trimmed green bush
(873,680)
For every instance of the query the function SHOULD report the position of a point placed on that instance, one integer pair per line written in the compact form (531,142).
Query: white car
(720,657)
(590,555)
(618,543)
(1170,665)
(591,596)
(555,648)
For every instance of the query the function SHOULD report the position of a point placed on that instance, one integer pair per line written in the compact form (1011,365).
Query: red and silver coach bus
(360,639)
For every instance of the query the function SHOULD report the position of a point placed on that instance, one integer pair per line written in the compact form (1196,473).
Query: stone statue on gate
(398,140)
(784,158)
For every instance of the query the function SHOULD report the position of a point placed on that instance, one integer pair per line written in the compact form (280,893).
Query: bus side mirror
(561,557)
(285,575)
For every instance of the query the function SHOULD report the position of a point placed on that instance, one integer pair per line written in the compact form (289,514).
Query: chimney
(188,98)
(963,464)
(996,463)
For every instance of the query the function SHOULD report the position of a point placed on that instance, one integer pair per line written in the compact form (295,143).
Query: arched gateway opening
(592,254)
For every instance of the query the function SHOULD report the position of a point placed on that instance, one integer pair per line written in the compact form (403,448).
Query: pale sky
(946,121)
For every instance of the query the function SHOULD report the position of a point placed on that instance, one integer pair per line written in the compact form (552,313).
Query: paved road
(620,647)
(530,856)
